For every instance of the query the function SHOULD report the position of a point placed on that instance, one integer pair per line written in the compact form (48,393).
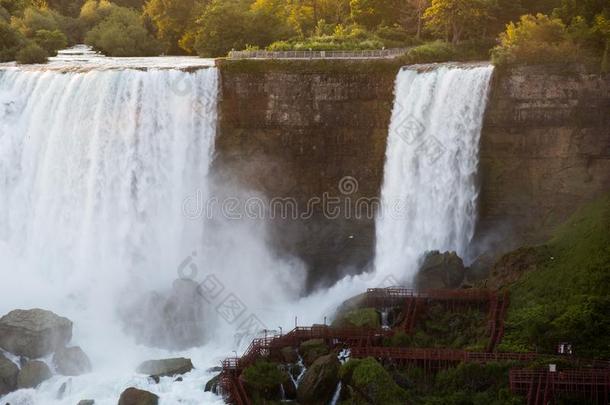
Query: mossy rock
(371,383)
(320,381)
(312,349)
(359,318)
(263,381)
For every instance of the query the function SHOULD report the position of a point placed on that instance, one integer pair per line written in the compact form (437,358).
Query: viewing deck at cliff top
(364,54)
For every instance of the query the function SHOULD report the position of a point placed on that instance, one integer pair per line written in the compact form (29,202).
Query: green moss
(371,383)
(359,318)
(263,380)
(253,66)
(567,298)
(312,349)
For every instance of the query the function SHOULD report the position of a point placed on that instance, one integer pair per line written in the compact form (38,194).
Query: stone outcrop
(440,271)
(312,349)
(71,361)
(165,367)
(545,150)
(8,375)
(34,333)
(32,374)
(320,381)
(134,396)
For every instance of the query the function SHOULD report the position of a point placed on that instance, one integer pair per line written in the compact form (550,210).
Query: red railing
(541,386)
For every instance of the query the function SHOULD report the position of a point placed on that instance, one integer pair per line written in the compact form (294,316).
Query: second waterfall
(429,193)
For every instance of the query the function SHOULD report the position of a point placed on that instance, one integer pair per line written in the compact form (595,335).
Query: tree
(10,42)
(51,41)
(172,19)
(373,13)
(31,53)
(122,34)
(602,28)
(415,12)
(453,18)
(223,26)
(535,39)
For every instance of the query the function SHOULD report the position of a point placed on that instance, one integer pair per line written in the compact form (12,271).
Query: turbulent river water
(97,159)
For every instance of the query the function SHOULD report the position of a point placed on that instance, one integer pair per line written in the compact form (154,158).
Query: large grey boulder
(34,333)
(165,367)
(32,374)
(8,375)
(86,402)
(440,271)
(320,381)
(134,396)
(71,361)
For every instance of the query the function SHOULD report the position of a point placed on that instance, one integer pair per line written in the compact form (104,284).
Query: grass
(567,298)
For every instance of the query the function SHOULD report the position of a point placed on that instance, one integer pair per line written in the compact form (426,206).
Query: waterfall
(94,168)
(429,193)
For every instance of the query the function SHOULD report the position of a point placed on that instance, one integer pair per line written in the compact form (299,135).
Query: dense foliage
(567,297)
(522,31)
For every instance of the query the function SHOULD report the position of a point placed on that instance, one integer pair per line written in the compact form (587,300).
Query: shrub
(10,41)
(51,41)
(437,51)
(265,378)
(535,39)
(122,34)
(372,382)
(31,53)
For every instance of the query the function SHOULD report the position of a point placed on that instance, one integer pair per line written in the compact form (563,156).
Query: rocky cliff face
(545,150)
(309,131)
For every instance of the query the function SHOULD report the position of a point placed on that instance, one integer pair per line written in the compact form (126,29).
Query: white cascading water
(429,193)
(94,168)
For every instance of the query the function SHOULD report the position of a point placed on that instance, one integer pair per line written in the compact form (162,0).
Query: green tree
(31,53)
(453,19)
(373,13)
(535,39)
(122,34)
(172,19)
(51,41)
(602,28)
(224,25)
(10,42)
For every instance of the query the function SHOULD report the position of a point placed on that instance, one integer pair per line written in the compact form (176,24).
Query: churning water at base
(429,193)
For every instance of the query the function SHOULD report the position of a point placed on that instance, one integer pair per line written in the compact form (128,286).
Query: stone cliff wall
(296,129)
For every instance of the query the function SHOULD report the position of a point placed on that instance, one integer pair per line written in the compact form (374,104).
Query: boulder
(86,402)
(440,271)
(290,389)
(320,381)
(166,367)
(312,349)
(34,333)
(8,375)
(32,374)
(134,396)
(212,385)
(358,318)
(289,354)
(71,361)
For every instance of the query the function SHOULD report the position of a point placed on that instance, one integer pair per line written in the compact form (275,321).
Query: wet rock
(212,385)
(289,354)
(166,367)
(480,269)
(320,381)
(86,402)
(8,375)
(32,374)
(216,369)
(34,333)
(290,389)
(440,271)
(312,349)
(134,396)
(71,361)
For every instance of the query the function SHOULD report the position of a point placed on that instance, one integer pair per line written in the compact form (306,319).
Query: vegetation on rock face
(312,349)
(31,53)
(366,382)
(359,318)
(567,297)
(264,380)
